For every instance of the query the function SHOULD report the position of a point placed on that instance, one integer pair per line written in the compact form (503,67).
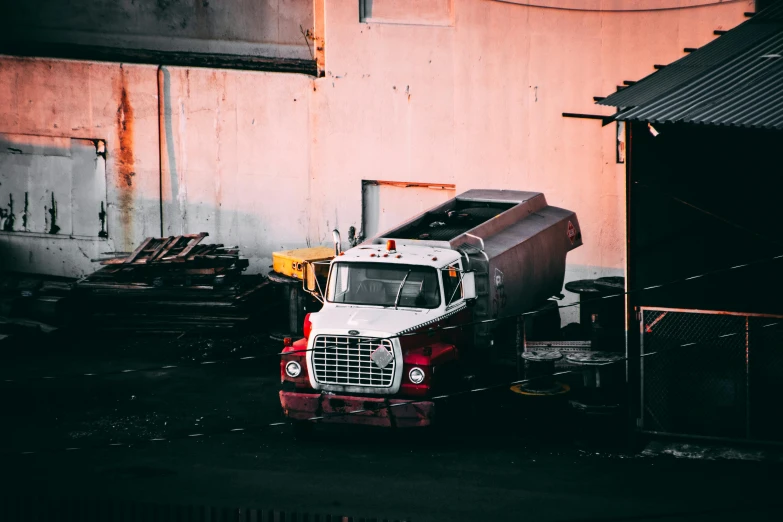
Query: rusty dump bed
(444,224)
(476,214)
(515,241)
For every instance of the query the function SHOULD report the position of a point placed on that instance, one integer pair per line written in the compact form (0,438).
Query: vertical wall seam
(161,113)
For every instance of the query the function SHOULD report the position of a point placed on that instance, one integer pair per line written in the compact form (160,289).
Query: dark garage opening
(705,198)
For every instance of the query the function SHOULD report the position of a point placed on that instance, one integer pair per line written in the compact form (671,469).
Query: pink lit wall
(466,92)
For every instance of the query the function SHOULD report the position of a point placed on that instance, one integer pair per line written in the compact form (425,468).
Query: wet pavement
(95,435)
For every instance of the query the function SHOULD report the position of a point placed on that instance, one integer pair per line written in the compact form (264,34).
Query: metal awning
(736,80)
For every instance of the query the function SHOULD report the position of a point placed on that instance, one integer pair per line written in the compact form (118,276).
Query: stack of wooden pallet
(172,284)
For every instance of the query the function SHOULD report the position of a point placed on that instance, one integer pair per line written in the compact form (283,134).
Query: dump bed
(514,240)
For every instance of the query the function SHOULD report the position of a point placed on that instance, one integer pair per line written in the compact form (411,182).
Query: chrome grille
(346,360)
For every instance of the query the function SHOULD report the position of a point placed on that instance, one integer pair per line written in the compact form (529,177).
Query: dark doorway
(702,199)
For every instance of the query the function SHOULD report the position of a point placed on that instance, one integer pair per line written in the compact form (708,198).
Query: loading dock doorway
(386,204)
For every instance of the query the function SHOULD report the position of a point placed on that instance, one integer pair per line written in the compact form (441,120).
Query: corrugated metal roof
(736,79)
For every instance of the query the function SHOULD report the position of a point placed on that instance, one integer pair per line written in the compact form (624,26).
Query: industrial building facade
(267,125)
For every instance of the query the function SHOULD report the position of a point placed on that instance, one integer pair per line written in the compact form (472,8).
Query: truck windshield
(384,285)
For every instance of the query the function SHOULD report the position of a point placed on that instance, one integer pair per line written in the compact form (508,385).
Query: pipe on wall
(161,124)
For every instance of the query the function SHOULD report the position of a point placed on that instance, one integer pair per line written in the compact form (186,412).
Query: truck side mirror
(469,285)
(309,278)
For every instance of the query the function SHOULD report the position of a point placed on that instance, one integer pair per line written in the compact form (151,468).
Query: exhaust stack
(337,242)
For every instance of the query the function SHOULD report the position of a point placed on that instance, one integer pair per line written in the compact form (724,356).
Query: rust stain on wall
(318,36)
(126,165)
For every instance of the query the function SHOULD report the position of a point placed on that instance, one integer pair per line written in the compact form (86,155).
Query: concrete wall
(236,158)
(245,27)
(43,100)
(469,93)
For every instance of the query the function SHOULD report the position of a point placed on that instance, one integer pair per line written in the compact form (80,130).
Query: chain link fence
(711,374)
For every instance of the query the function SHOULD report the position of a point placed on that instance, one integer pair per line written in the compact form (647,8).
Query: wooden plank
(199,251)
(113,286)
(252,290)
(55,286)
(138,250)
(157,251)
(210,249)
(195,252)
(203,271)
(144,257)
(114,261)
(172,245)
(192,304)
(28,323)
(192,244)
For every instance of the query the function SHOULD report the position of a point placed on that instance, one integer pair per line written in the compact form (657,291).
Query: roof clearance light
(391,245)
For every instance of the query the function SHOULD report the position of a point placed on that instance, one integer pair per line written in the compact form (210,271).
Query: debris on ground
(172,285)
(707,451)
(32,305)
(202,348)
(121,427)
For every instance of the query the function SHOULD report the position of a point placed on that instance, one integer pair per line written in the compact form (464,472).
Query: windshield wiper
(399,291)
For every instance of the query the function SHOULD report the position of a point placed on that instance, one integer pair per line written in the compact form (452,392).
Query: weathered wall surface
(235,151)
(471,94)
(236,159)
(245,27)
(49,102)
(479,103)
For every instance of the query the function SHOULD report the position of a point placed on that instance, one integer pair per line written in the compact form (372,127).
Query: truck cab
(370,338)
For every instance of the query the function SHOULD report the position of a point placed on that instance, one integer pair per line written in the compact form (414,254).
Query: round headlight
(416,375)
(292,369)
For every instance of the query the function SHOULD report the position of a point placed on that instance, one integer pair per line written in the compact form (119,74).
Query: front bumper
(335,409)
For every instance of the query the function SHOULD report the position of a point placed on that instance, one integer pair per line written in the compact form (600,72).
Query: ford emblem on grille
(381,357)
(353,332)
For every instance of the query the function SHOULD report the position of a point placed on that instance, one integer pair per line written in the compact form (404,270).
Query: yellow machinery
(299,263)
(309,265)
(299,271)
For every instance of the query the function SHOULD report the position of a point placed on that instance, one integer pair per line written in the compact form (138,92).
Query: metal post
(747,376)
(520,344)
(632,321)
(640,418)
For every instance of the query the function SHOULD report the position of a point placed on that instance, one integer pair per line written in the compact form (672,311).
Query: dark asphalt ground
(489,465)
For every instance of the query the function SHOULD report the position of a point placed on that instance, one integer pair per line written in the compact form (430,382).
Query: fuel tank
(515,241)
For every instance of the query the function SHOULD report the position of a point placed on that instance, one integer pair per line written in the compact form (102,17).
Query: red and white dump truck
(378,340)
